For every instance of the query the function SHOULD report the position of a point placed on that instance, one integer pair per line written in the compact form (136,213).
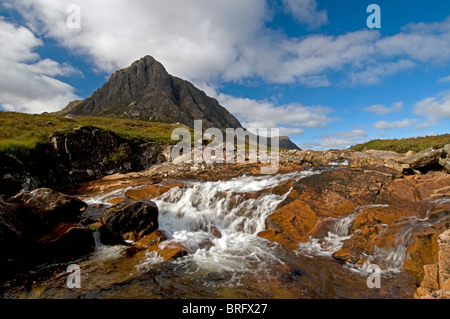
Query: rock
(446,149)
(403,191)
(444,260)
(132,219)
(151,191)
(422,160)
(66,240)
(88,153)
(435,283)
(12,175)
(43,208)
(10,230)
(334,193)
(290,224)
(153,239)
(345,255)
(169,251)
(430,282)
(445,163)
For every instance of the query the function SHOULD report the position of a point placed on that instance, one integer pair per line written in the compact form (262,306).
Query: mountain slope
(145,91)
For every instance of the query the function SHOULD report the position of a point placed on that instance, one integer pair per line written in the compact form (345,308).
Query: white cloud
(435,108)
(375,73)
(27,83)
(427,42)
(290,118)
(340,140)
(444,79)
(383,125)
(228,41)
(305,11)
(380,109)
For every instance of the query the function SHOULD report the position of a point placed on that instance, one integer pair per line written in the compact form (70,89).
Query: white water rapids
(235,209)
(218,223)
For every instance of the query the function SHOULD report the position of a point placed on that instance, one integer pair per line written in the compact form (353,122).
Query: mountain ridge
(146,91)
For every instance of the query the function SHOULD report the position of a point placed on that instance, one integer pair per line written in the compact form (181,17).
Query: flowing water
(218,223)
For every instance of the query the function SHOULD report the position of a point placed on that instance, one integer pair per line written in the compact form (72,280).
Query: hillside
(20,132)
(415,144)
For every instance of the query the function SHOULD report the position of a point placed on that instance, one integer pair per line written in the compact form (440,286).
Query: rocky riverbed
(221,230)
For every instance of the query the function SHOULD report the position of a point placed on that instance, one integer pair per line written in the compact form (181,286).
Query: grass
(21,133)
(415,144)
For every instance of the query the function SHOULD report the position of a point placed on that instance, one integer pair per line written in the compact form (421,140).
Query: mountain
(285,142)
(145,91)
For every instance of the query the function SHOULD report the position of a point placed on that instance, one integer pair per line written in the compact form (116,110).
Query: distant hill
(145,91)
(415,144)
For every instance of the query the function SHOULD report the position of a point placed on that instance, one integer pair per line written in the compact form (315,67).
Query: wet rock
(42,208)
(346,255)
(290,224)
(66,240)
(152,240)
(168,251)
(151,191)
(132,219)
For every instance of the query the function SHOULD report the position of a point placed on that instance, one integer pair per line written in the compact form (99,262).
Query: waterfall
(227,214)
(97,241)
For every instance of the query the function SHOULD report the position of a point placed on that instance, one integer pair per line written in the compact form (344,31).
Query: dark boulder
(131,219)
(43,208)
(12,175)
(10,229)
(89,153)
(67,239)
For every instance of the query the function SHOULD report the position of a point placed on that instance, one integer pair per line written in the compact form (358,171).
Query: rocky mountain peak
(146,91)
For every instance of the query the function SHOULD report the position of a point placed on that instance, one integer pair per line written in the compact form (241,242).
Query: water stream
(218,223)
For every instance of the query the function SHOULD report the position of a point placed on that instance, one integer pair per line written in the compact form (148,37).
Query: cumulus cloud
(27,83)
(342,139)
(444,79)
(290,118)
(305,11)
(383,125)
(380,109)
(435,108)
(229,41)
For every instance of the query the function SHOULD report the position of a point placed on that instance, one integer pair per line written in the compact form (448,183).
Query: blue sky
(310,67)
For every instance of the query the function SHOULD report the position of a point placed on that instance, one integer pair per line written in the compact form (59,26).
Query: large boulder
(436,279)
(67,239)
(334,193)
(131,219)
(423,159)
(445,163)
(89,153)
(10,229)
(41,225)
(12,175)
(43,208)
